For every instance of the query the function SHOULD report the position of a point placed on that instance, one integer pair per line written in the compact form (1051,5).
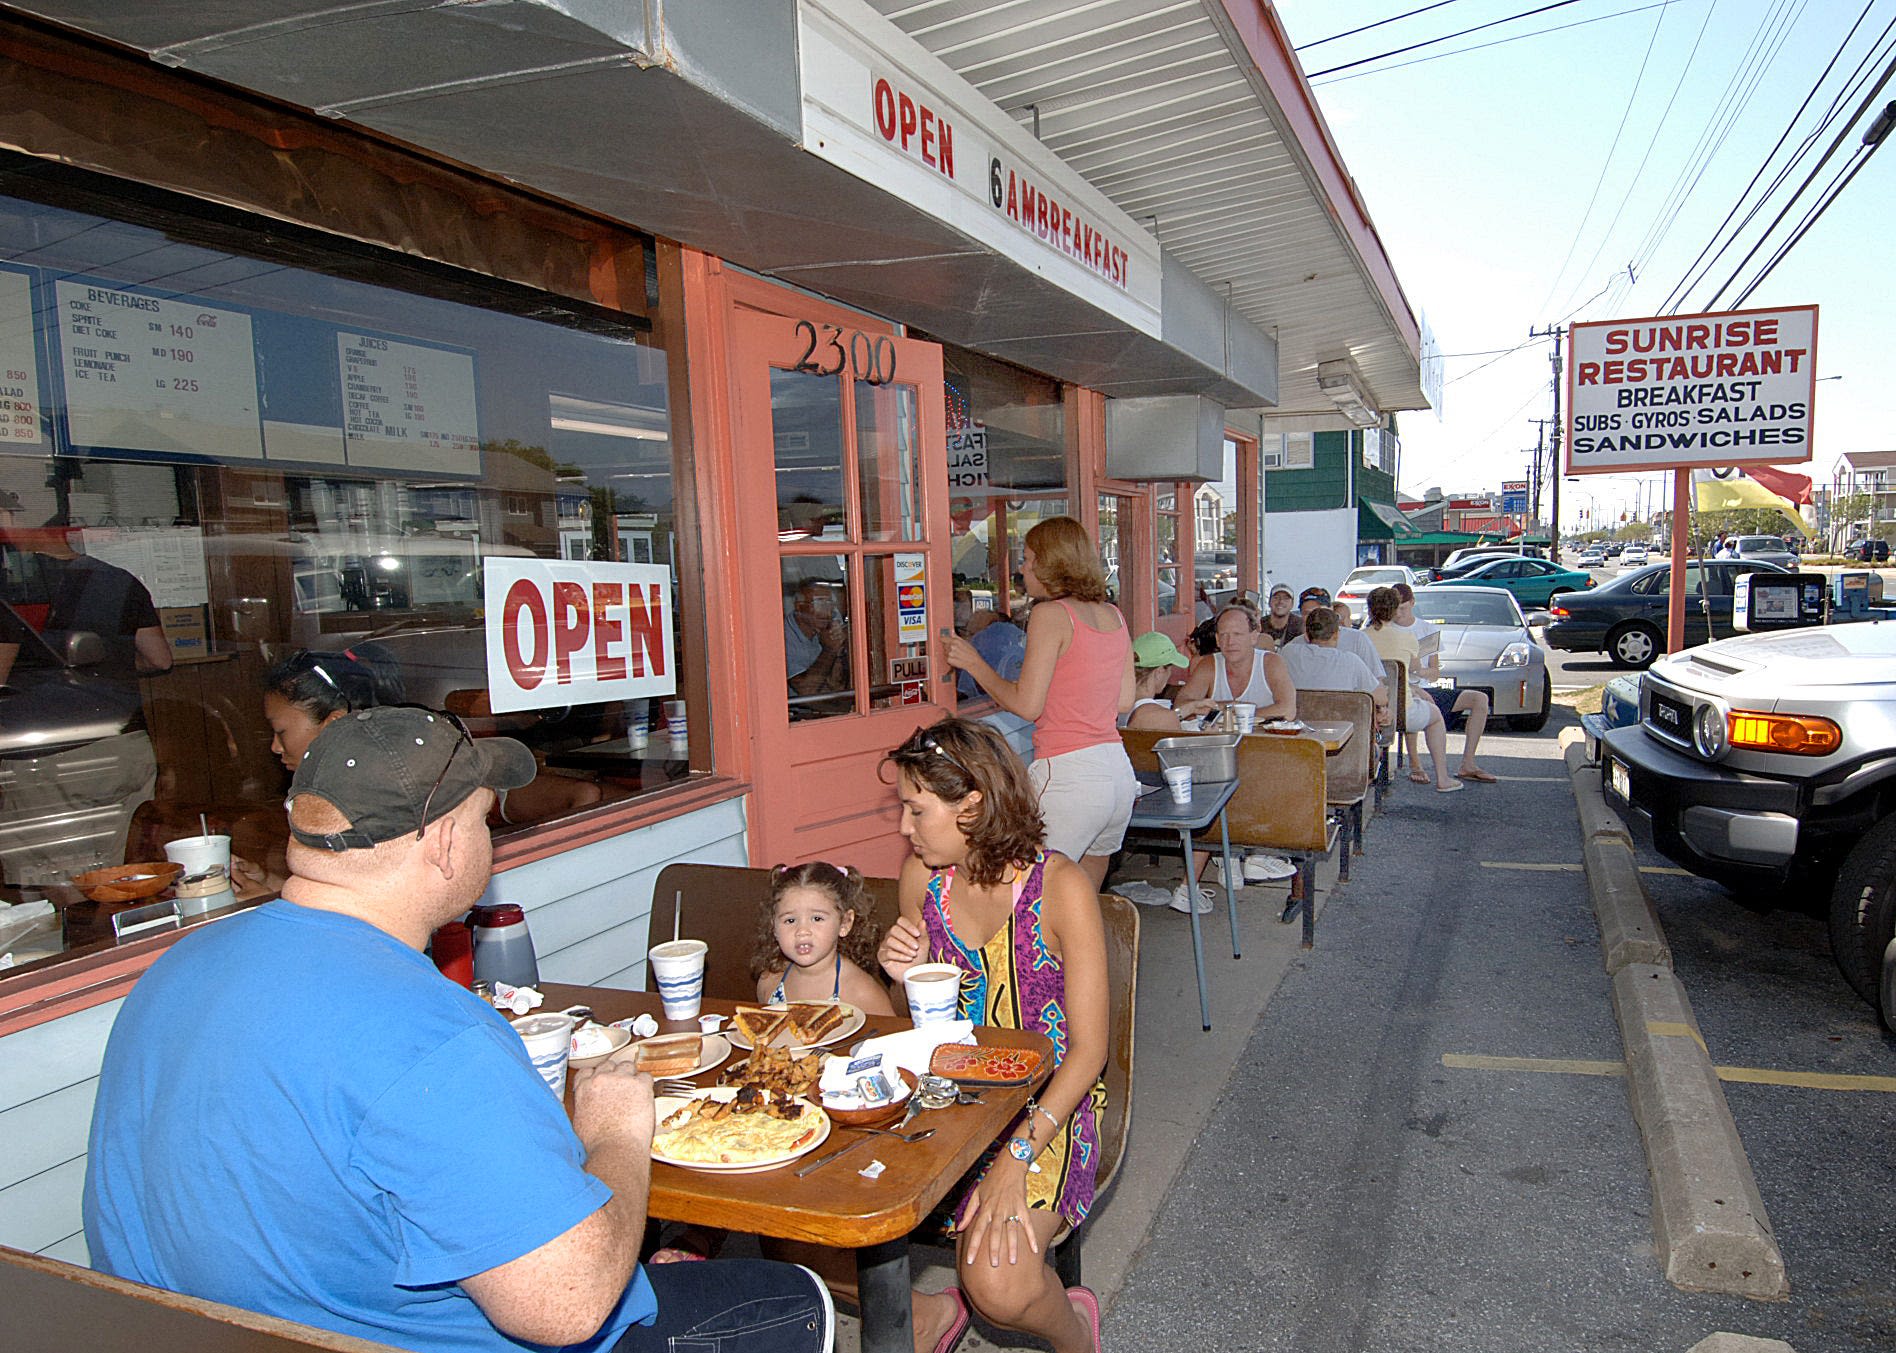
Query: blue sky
(1478,170)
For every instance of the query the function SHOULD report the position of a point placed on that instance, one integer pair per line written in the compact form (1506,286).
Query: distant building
(1330,498)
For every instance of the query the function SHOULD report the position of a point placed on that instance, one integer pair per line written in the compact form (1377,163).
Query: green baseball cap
(1153,649)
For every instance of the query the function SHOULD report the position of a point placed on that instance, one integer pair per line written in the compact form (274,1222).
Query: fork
(674,1086)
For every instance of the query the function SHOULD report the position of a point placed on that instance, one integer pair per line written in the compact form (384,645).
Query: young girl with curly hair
(816,941)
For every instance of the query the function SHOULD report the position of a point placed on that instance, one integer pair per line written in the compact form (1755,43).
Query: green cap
(1153,649)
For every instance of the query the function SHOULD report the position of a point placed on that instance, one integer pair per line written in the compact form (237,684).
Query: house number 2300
(828,349)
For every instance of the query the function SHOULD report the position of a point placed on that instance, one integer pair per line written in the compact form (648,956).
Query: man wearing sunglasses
(297,1114)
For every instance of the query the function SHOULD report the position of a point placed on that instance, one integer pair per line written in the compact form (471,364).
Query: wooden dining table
(1334,736)
(835,1205)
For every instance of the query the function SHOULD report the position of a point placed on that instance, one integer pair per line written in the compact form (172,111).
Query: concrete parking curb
(1739,1343)
(1597,821)
(1629,932)
(1708,1219)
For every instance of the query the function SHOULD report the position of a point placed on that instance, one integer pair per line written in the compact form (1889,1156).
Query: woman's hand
(962,655)
(994,1218)
(902,948)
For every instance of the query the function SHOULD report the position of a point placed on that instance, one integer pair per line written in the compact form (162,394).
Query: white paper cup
(1178,779)
(549,1040)
(675,718)
(679,967)
(638,732)
(1244,714)
(199,853)
(934,992)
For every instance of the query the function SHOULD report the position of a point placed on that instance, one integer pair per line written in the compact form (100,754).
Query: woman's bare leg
(1025,1295)
(1436,735)
(1095,867)
(1475,705)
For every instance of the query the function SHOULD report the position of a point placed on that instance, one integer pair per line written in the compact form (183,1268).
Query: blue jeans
(734,1306)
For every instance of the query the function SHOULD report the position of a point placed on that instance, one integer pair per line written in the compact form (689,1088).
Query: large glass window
(223,456)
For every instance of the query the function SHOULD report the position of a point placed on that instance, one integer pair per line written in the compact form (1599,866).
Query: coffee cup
(679,967)
(549,1040)
(933,991)
(1244,716)
(200,854)
(638,731)
(1178,779)
(675,722)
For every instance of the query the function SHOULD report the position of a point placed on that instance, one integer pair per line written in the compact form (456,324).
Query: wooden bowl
(128,882)
(876,1117)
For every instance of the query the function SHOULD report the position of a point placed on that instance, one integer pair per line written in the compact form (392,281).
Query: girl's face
(1405,613)
(1029,577)
(1236,639)
(292,729)
(933,824)
(810,924)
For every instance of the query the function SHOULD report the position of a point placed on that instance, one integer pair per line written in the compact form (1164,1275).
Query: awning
(1381,521)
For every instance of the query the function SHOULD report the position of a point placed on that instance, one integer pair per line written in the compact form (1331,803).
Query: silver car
(1771,549)
(1486,645)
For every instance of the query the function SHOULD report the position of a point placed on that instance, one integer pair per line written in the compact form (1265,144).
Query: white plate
(616,1039)
(713,1052)
(850,1025)
(1282,726)
(666,1105)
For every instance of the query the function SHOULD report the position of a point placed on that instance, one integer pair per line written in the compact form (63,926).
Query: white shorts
(1420,711)
(1085,798)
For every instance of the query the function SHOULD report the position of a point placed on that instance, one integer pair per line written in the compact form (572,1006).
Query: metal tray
(1212,756)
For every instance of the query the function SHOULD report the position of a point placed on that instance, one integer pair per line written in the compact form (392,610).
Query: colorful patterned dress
(1013,982)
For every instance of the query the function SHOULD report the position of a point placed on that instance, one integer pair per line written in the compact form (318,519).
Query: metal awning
(1381,521)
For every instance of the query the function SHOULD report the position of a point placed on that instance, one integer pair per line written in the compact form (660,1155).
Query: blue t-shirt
(298,1115)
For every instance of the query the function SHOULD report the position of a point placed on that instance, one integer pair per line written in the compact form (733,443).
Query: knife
(821,1161)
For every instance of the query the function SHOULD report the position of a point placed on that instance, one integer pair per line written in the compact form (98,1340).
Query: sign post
(1682,392)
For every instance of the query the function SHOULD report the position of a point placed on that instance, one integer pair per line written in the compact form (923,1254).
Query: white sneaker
(1268,869)
(1144,894)
(1181,899)
(1237,869)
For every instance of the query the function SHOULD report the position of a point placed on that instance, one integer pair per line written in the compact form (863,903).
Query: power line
(1862,158)
(1394,18)
(1502,42)
(1446,37)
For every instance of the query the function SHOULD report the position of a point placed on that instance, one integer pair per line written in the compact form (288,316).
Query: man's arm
(562,1292)
(154,653)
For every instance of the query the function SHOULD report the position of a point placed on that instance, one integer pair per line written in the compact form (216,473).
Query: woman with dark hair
(1075,681)
(1023,926)
(1428,708)
(309,690)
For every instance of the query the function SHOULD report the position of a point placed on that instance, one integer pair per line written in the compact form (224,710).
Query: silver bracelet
(1033,1107)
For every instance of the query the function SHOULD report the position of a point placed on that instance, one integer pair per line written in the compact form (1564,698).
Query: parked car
(1868,551)
(1486,645)
(1767,762)
(1356,588)
(1768,548)
(1626,618)
(1533,582)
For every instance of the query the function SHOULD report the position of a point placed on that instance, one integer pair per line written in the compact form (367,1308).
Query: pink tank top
(1082,707)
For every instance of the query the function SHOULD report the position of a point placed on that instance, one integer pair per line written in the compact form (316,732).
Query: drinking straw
(678,914)
(204,825)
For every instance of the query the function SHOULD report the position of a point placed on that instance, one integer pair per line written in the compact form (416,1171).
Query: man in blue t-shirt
(298,1115)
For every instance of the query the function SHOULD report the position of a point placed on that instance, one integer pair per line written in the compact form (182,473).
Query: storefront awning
(1381,521)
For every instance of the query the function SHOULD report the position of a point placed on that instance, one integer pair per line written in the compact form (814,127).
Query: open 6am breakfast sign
(571,633)
(1691,390)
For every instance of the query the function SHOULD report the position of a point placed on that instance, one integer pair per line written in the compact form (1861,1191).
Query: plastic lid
(498,914)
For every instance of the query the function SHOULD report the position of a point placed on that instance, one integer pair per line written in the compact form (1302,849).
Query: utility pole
(1540,455)
(1553,538)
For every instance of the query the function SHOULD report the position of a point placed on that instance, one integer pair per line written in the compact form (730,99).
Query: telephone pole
(1553,536)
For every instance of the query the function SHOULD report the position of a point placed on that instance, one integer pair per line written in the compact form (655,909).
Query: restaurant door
(844,571)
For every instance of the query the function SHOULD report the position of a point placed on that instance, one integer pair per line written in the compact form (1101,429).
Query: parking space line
(1743,1075)
(1561,867)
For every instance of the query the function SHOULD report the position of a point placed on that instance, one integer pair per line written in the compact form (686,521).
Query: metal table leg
(1310,902)
(1191,911)
(882,1289)
(1231,904)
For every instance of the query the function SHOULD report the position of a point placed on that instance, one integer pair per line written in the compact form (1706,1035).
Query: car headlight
(1515,655)
(1709,734)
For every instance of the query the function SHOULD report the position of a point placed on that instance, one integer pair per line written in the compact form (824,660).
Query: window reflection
(816,636)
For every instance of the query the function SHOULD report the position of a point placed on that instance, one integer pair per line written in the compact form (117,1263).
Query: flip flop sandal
(1089,1306)
(1418,777)
(1457,787)
(952,1336)
(1480,777)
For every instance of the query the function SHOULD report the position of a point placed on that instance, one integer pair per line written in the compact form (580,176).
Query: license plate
(1674,717)
(1618,782)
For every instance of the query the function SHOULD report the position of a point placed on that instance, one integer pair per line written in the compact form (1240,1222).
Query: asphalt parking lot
(1425,1144)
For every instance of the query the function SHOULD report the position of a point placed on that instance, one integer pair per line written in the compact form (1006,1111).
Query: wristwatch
(1021,1150)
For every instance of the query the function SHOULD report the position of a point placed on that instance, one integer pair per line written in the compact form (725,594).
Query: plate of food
(593,1043)
(1285,726)
(680,1055)
(736,1129)
(797,1024)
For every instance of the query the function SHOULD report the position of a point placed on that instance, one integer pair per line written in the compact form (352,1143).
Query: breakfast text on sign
(1692,390)
(561,633)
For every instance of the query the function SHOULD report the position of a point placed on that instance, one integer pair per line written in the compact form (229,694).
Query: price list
(19,363)
(407,406)
(150,374)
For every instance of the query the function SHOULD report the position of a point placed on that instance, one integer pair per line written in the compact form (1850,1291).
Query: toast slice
(670,1054)
(759,1025)
(815,1020)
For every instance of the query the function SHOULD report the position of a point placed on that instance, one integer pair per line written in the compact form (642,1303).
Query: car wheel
(1533,723)
(1634,645)
(1863,911)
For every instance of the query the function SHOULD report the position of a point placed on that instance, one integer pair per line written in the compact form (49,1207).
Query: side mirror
(1536,618)
(78,648)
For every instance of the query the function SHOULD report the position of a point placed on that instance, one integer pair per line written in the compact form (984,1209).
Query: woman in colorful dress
(981,892)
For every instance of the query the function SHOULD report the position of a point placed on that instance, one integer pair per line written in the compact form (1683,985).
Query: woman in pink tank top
(1074,682)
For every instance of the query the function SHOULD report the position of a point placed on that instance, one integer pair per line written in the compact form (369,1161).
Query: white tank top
(1256,691)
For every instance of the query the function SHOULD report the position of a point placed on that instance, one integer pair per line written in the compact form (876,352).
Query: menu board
(20,404)
(144,373)
(408,407)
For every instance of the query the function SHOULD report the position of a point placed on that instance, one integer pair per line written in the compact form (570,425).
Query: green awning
(1381,521)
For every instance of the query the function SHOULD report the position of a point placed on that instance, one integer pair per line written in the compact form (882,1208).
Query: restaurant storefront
(677,484)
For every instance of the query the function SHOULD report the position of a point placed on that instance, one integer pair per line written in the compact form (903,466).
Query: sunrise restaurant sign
(1689,390)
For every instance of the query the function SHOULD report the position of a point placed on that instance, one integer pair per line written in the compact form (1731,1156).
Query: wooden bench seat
(1348,773)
